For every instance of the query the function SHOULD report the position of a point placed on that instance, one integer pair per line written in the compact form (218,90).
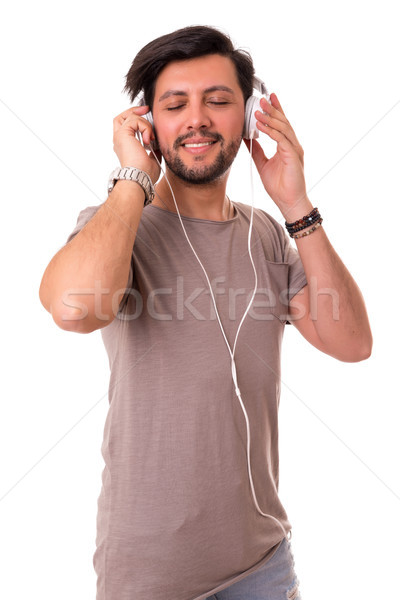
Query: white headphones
(250,130)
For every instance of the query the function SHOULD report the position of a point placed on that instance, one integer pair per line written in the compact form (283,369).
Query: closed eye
(213,102)
(175,107)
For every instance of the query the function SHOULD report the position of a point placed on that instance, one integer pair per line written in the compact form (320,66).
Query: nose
(198,116)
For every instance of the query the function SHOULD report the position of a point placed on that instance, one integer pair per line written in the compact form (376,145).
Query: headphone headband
(260,86)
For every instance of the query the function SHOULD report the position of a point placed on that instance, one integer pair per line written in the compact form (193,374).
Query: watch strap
(133,174)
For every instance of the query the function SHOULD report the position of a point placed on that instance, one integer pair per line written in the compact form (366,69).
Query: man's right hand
(128,148)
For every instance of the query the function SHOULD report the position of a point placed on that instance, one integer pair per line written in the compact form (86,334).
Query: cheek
(231,127)
(239,123)
(165,131)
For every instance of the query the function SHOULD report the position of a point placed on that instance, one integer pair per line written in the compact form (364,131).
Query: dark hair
(184,44)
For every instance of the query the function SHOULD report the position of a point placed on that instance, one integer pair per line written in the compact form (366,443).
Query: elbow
(358,356)
(360,351)
(44,295)
(365,352)
(72,321)
(77,319)
(76,309)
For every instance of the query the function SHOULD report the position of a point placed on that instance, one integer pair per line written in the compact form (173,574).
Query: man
(187,511)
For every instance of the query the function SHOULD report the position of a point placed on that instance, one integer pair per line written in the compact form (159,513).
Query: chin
(205,174)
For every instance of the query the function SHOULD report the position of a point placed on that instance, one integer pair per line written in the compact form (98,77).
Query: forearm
(85,281)
(330,311)
(336,305)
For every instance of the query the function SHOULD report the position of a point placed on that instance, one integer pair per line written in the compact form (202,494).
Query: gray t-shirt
(176,516)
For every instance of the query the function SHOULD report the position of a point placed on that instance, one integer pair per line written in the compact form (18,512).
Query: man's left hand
(282,174)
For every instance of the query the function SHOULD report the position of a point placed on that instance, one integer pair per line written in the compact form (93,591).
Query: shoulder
(267,230)
(261,218)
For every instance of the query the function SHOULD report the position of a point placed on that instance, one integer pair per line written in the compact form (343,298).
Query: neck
(198,201)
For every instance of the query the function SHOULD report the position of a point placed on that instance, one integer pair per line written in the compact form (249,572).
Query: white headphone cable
(231,351)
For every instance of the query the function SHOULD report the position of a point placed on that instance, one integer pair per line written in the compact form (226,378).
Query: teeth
(198,145)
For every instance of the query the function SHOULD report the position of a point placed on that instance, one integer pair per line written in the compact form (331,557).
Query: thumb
(257,154)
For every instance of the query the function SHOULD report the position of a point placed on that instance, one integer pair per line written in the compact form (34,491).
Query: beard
(201,174)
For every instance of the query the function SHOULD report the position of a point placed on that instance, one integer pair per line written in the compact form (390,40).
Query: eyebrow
(214,88)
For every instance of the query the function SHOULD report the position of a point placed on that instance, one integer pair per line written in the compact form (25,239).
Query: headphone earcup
(250,130)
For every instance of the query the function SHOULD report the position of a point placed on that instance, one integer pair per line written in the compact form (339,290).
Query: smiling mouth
(200,145)
(197,140)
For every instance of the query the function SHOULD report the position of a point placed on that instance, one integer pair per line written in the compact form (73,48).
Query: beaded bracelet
(309,231)
(310,214)
(311,221)
(306,221)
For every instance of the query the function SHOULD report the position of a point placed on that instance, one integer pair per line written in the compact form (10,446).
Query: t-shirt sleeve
(287,254)
(296,275)
(83,218)
(285,272)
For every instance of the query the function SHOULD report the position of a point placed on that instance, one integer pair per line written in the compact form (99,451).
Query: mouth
(198,144)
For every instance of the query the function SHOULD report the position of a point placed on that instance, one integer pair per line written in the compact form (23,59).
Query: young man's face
(198,113)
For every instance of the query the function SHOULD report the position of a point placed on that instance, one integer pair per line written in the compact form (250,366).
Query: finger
(284,144)
(282,126)
(137,110)
(277,136)
(276,104)
(134,110)
(143,131)
(272,110)
(257,153)
(135,123)
(275,111)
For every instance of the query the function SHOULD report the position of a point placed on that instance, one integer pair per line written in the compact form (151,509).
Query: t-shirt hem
(295,289)
(271,552)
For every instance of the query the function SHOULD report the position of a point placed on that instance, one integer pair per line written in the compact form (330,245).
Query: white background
(334,67)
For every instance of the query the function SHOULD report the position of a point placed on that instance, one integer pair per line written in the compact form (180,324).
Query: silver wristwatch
(133,174)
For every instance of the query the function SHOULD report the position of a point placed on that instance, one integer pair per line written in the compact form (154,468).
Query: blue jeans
(276,580)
